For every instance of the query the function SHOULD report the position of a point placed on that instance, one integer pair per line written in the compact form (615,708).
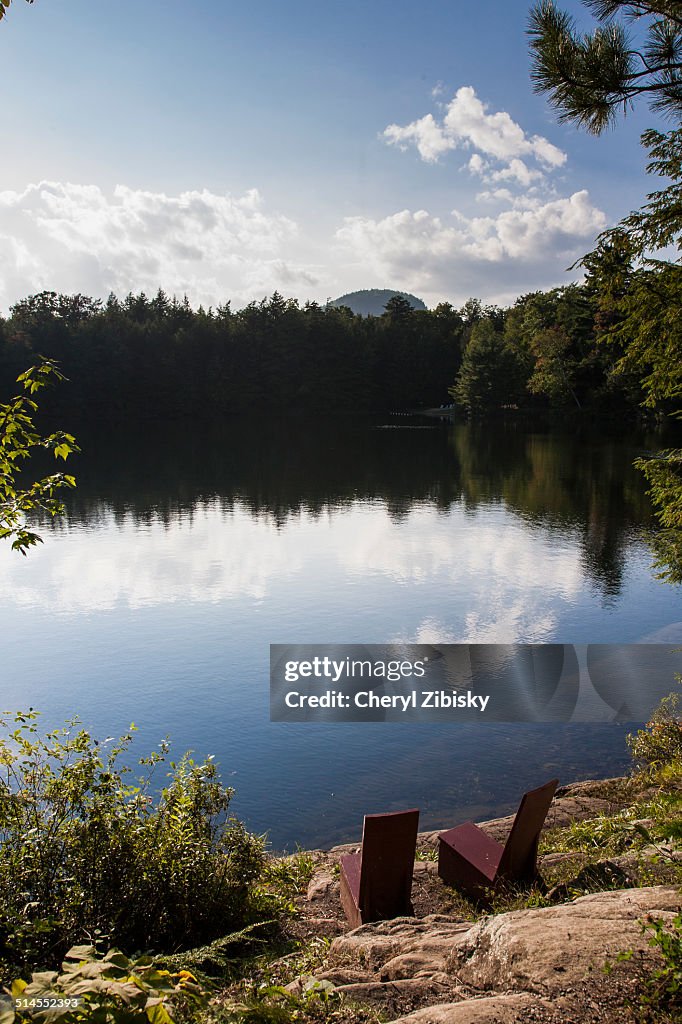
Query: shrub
(109,989)
(660,743)
(88,851)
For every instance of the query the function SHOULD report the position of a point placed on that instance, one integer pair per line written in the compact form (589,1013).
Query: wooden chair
(376,883)
(470,860)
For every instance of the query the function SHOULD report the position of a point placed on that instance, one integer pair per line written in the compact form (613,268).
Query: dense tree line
(159,358)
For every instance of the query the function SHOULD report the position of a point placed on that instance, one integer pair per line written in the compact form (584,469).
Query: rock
(551,949)
(321,886)
(522,958)
(503,1009)
(295,987)
(412,991)
(343,975)
(551,859)
(425,867)
(427,941)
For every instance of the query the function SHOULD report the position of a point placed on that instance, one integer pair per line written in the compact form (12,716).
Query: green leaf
(158,1014)
(42,982)
(80,953)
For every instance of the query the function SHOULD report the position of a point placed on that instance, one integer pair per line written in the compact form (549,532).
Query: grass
(290,875)
(427,853)
(646,821)
(261,995)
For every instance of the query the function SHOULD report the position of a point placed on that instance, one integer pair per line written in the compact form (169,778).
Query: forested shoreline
(158,357)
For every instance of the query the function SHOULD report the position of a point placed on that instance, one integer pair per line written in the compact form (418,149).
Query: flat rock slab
(398,996)
(443,970)
(549,950)
(322,885)
(502,1009)
(401,948)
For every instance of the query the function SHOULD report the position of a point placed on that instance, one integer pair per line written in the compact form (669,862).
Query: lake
(188,550)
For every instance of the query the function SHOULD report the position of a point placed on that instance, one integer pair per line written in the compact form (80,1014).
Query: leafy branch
(18,439)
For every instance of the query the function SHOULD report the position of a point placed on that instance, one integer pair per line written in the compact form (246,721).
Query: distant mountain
(371,301)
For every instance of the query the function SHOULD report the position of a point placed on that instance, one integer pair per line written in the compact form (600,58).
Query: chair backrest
(389,843)
(520,851)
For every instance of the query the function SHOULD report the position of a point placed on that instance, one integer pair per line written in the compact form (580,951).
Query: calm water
(186,552)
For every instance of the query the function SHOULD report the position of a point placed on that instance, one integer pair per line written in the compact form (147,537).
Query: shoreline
(537,955)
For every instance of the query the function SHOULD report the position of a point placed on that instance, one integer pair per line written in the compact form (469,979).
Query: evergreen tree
(491,374)
(591,77)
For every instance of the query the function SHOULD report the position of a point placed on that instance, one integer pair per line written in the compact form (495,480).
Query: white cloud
(529,246)
(477,165)
(467,123)
(69,237)
(498,135)
(213,555)
(429,547)
(518,171)
(550,228)
(220,553)
(429,138)
(496,195)
(547,152)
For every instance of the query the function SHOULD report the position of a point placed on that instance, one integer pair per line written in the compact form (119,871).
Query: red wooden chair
(470,860)
(376,883)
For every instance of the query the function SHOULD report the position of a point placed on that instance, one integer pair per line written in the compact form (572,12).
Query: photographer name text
(366,699)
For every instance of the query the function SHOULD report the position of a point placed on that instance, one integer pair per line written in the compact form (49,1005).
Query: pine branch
(589,77)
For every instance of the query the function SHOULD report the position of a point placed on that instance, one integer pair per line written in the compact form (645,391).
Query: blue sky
(226,149)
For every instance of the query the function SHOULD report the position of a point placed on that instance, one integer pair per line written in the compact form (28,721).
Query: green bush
(659,745)
(274,1004)
(109,989)
(87,851)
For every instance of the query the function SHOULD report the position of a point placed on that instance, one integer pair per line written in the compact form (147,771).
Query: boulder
(551,949)
(402,947)
(503,969)
(504,1009)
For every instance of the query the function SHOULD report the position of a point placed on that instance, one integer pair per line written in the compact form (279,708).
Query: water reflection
(567,483)
(500,530)
(188,551)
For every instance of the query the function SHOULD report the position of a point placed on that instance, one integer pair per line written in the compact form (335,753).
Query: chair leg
(350,907)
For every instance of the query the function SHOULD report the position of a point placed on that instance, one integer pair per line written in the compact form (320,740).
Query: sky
(224,149)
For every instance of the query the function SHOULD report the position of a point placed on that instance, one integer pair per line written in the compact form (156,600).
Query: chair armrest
(351,867)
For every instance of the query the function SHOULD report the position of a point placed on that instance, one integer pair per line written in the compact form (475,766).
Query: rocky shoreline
(555,962)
